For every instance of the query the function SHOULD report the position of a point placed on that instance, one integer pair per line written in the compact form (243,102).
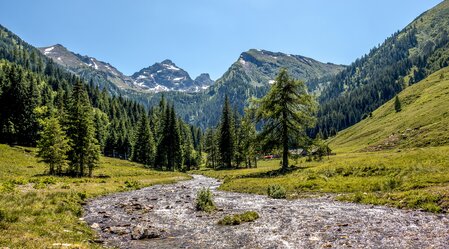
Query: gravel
(164,216)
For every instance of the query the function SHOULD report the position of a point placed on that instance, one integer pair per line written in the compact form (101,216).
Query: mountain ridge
(104,73)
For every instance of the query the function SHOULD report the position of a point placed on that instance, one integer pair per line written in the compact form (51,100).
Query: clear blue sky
(208,35)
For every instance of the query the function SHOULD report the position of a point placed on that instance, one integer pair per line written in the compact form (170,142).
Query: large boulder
(144,232)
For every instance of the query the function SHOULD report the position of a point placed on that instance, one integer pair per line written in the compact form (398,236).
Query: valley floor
(41,211)
(168,213)
(415,178)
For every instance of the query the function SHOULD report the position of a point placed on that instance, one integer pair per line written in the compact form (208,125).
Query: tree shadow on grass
(274,173)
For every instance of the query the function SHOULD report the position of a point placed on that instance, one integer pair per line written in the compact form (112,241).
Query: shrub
(276,192)
(237,219)
(132,184)
(204,200)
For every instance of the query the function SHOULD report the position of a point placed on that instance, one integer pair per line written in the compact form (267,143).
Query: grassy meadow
(41,211)
(412,178)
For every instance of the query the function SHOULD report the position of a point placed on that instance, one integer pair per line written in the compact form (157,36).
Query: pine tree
(397,104)
(53,145)
(143,149)
(287,111)
(84,151)
(175,149)
(187,145)
(163,139)
(210,147)
(101,122)
(226,138)
(238,154)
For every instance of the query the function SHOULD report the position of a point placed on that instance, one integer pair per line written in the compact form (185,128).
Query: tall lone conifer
(287,111)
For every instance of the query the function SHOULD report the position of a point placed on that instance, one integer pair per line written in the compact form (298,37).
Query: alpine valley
(281,151)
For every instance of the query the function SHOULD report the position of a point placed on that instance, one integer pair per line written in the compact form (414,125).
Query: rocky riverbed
(164,216)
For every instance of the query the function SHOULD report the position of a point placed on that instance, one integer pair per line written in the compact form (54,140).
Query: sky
(208,35)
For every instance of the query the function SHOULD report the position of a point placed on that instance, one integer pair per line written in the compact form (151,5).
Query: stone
(140,232)
(95,226)
(118,230)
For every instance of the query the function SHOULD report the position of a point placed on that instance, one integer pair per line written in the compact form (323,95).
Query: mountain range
(160,77)
(197,100)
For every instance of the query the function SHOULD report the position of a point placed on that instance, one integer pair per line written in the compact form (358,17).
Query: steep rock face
(166,76)
(203,81)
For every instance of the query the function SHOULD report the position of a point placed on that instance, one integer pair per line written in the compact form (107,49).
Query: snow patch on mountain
(48,50)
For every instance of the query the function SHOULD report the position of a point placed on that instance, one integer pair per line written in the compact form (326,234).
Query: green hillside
(422,122)
(403,59)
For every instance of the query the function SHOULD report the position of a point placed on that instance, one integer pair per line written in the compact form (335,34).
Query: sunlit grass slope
(423,121)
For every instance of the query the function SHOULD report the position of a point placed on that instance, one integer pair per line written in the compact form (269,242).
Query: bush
(132,184)
(276,192)
(237,219)
(204,200)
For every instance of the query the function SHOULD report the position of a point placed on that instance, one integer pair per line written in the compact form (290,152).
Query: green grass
(413,178)
(37,211)
(423,121)
(237,219)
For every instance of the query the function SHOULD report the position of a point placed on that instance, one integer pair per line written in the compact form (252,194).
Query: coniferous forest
(36,94)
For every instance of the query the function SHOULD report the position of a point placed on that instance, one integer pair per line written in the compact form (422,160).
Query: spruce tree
(53,145)
(84,151)
(187,145)
(175,149)
(163,148)
(144,149)
(397,104)
(226,136)
(286,111)
(210,147)
(101,122)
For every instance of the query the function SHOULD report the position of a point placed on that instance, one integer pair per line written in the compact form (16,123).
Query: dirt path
(163,216)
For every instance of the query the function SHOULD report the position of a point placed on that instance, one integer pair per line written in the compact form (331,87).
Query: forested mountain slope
(250,76)
(422,121)
(403,59)
(31,85)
